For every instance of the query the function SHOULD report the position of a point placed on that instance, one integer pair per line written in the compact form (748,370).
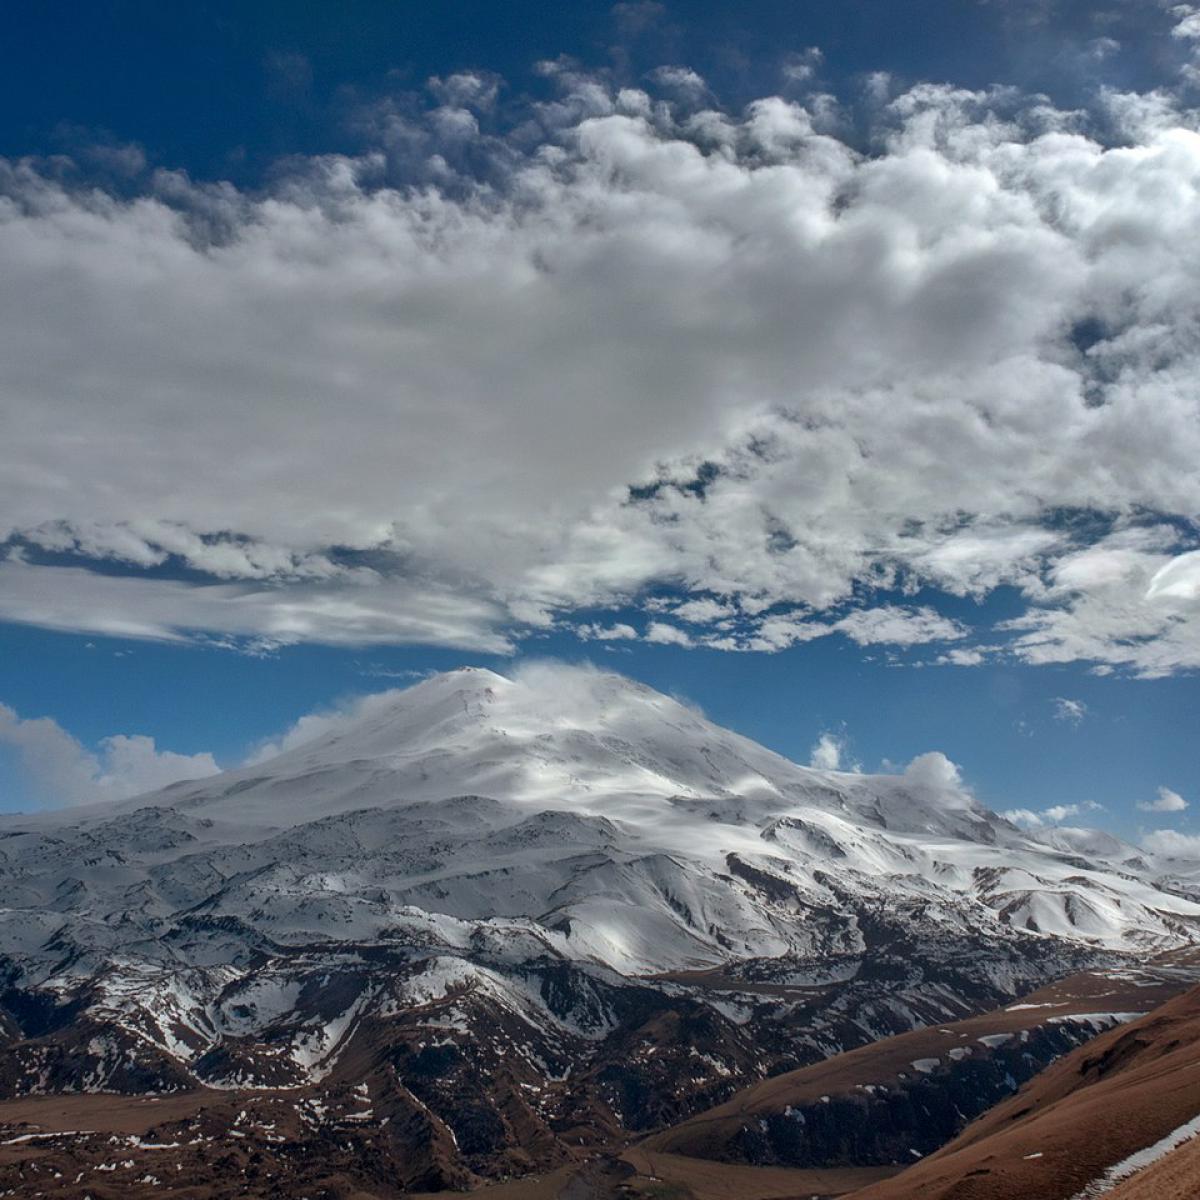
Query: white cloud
(1178,579)
(61,771)
(801,67)
(1068,710)
(1166,802)
(1170,843)
(1060,812)
(666,634)
(607,633)
(888,625)
(702,611)
(1187,23)
(934,770)
(1023,816)
(1053,815)
(892,625)
(829,753)
(392,610)
(778,632)
(962,656)
(1125,601)
(825,373)
(466,89)
(680,79)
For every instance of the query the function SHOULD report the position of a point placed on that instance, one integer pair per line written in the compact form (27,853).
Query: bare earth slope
(905,1096)
(1176,1176)
(1058,1137)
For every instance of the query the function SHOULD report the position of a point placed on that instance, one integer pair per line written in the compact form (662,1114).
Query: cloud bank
(60,770)
(483,377)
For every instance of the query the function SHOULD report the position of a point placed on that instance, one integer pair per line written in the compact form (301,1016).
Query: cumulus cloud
(1055,814)
(802,66)
(607,633)
(829,753)
(887,625)
(826,753)
(466,89)
(680,79)
(1023,816)
(1102,604)
(60,770)
(892,625)
(934,770)
(1170,843)
(1187,22)
(703,611)
(963,656)
(665,634)
(1167,801)
(732,353)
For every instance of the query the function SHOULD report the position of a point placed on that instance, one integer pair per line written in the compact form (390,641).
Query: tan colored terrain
(1175,1177)
(1117,1095)
(702,1179)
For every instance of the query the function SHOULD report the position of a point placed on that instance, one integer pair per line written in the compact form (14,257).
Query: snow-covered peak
(568,809)
(572,738)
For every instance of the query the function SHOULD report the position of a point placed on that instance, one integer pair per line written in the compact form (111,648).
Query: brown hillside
(855,1087)
(1117,1095)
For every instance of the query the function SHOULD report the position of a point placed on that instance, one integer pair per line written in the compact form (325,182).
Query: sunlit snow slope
(573,808)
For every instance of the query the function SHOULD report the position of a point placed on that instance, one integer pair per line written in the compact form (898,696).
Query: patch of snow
(993,1041)
(1140,1159)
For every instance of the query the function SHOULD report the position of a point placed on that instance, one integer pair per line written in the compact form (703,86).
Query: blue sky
(225,89)
(831,365)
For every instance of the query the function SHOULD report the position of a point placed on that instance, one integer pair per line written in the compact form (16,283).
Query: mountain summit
(570,739)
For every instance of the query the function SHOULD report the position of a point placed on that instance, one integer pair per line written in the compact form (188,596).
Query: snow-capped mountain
(535,868)
(576,810)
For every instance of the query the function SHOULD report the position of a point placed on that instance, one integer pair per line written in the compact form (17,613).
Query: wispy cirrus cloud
(1072,712)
